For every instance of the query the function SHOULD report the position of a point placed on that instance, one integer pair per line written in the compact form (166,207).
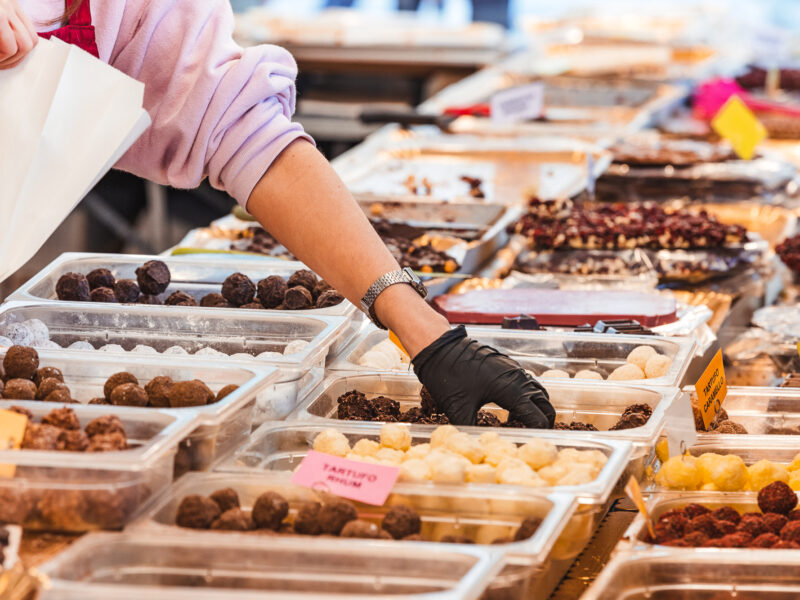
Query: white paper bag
(65,119)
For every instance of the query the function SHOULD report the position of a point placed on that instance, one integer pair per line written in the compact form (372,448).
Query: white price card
(679,425)
(517,104)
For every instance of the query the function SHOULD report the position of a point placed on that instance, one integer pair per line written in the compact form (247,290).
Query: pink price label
(363,482)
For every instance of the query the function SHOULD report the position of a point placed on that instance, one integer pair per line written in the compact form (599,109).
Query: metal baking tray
(214,567)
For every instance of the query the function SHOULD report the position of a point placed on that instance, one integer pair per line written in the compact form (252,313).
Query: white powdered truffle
(39,331)
(269,355)
(448,470)
(389,456)
(208,351)
(243,356)
(640,355)
(626,372)
(481,474)
(588,374)
(555,374)
(365,447)
(419,451)
(332,442)
(175,350)
(116,348)
(80,345)
(415,471)
(142,349)
(396,436)
(48,345)
(440,435)
(294,347)
(657,366)
(461,443)
(538,453)
(4,341)
(19,333)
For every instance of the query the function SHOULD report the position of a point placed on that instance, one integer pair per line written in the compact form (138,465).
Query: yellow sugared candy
(466,446)
(538,453)
(794,480)
(680,473)
(481,474)
(414,471)
(765,472)
(389,456)
(795,464)
(396,436)
(332,442)
(721,473)
(727,474)
(440,435)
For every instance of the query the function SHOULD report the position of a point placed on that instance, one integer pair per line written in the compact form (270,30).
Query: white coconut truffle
(418,451)
(269,355)
(538,453)
(640,355)
(142,349)
(80,345)
(555,374)
(440,435)
(488,438)
(588,374)
(330,441)
(657,366)
(4,341)
(19,334)
(295,346)
(396,436)
(626,372)
(48,345)
(365,447)
(39,330)
(468,447)
(208,351)
(448,470)
(552,474)
(243,356)
(482,473)
(389,456)
(175,351)
(580,474)
(115,348)
(414,471)
(499,451)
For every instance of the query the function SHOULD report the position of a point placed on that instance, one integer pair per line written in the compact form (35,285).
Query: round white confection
(332,442)
(39,331)
(538,453)
(19,333)
(208,351)
(588,374)
(377,360)
(640,355)
(268,355)
(657,366)
(142,349)
(295,346)
(115,348)
(555,374)
(396,436)
(243,356)
(175,350)
(80,345)
(626,372)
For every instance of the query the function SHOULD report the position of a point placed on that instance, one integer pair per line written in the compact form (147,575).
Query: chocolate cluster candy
(556,224)
(633,416)
(60,430)
(722,424)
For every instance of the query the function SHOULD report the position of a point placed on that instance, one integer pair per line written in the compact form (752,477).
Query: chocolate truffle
(73,287)
(63,418)
(304,278)
(197,512)
(238,289)
(321,287)
(234,519)
(306,522)
(22,411)
(104,425)
(334,515)
(487,419)
(777,497)
(100,278)
(189,393)
(271,291)
(252,306)
(50,384)
(329,298)
(19,389)
(99,401)
(214,300)
(118,379)
(228,389)
(60,395)
(158,391)
(180,299)
(297,298)
(456,539)
(41,437)
(226,499)
(153,277)
(527,528)
(269,510)
(361,529)
(415,538)
(20,362)
(107,442)
(149,299)
(73,441)
(103,294)
(129,394)
(401,522)
(46,373)
(127,291)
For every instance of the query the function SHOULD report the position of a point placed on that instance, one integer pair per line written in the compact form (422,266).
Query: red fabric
(79,31)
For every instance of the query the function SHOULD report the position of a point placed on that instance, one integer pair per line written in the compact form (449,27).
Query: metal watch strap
(406,276)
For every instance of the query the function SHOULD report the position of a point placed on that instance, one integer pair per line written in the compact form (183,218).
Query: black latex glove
(462,375)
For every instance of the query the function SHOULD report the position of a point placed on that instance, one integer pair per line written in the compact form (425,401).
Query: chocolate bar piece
(629,326)
(525,322)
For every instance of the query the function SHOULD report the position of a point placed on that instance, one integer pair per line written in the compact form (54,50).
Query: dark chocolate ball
(47,386)
(118,379)
(103,294)
(401,522)
(321,287)
(197,512)
(158,391)
(20,389)
(252,306)
(47,373)
(329,298)
(149,299)
(73,287)
(60,395)
(334,515)
(73,440)
(271,291)
(153,277)
(361,529)
(180,299)
(129,394)
(304,278)
(189,393)
(306,522)
(234,519)
(269,510)
(297,298)
(127,291)
(22,411)
(214,300)
(238,289)
(21,362)
(226,499)
(228,389)
(100,278)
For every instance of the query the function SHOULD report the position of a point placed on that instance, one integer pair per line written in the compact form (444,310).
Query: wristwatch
(384,281)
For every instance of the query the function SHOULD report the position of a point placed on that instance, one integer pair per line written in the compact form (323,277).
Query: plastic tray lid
(90,566)
(281,446)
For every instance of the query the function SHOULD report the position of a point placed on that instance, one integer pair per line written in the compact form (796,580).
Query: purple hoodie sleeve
(218,110)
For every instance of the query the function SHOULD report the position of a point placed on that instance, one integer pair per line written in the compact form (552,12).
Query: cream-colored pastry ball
(657,366)
(417,451)
(396,436)
(579,474)
(499,450)
(552,474)
(640,355)
(448,470)
(390,456)
(365,459)
(482,473)
(415,471)
(365,447)
(538,453)
(488,438)
(626,372)
(440,435)
(511,463)
(467,446)
(588,374)
(332,442)
(555,374)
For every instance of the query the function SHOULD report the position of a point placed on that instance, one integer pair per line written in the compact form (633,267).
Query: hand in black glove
(462,375)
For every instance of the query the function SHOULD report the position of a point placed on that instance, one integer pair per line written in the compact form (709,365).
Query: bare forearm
(306,207)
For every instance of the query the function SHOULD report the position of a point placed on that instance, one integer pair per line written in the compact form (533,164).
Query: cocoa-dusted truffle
(791,532)
(306,522)
(361,529)
(47,386)
(456,539)
(73,287)
(46,373)
(104,425)
(334,515)
(103,294)
(73,440)
(528,527)
(726,513)
(226,499)
(19,389)
(751,524)
(153,277)
(99,401)
(252,306)
(40,437)
(149,299)
(234,519)
(157,391)
(118,379)
(228,389)
(401,522)
(329,298)
(238,289)
(777,497)
(99,278)
(129,394)
(60,395)
(304,278)
(22,411)
(765,540)
(180,299)
(297,298)
(321,287)
(107,442)
(214,300)
(127,291)
(63,418)
(197,512)
(775,522)
(20,362)
(189,393)
(269,510)
(271,291)
(694,509)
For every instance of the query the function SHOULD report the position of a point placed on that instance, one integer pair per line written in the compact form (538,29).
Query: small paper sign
(679,425)
(517,104)
(363,482)
(737,124)
(12,430)
(712,387)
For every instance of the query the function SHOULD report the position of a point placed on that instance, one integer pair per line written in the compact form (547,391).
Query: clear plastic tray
(82,491)
(711,575)
(162,327)
(538,351)
(481,516)
(218,427)
(216,567)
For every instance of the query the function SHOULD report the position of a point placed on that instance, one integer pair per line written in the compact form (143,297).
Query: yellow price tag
(737,124)
(712,387)
(396,342)
(12,430)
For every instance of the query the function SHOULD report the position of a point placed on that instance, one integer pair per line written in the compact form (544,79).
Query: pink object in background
(710,96)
